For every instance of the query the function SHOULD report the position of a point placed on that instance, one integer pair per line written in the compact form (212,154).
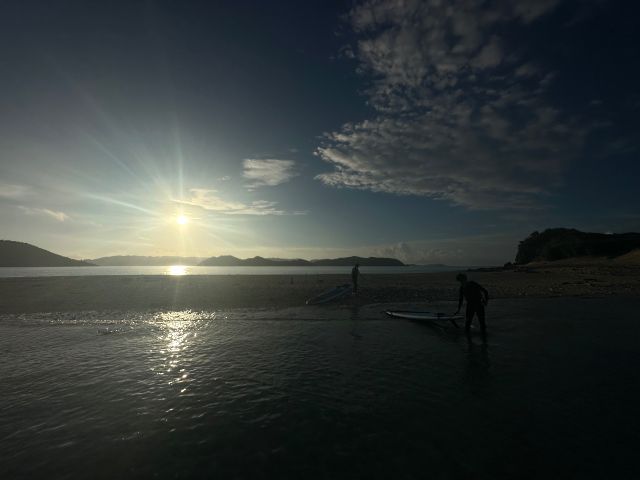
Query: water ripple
(255,393)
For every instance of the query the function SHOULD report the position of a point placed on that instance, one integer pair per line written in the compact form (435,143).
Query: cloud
(490,55)
(527,70)
(13,192)
(473,250)
(268,172)
(530,10)
(57,215)
(208,199)
(423,254)
(456,117)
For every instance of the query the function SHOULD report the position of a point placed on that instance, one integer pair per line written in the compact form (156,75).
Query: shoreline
(201,292)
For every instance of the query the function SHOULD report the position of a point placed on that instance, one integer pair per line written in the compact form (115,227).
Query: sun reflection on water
(177,332)
(177,270)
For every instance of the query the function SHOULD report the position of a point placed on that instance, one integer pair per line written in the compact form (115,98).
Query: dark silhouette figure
(355,273)
(477,297)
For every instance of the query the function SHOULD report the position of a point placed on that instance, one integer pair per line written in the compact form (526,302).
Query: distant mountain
(221,261)
(19,254)
(363,262)
(136,260)
(230,261)
(272,262)
(440,267)
(562,243)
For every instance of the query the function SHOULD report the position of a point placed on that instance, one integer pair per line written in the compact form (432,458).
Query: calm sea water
(322,393)
(195,270)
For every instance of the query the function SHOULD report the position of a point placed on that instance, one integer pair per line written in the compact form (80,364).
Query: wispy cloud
(57,215)
(14,191)
(458,116)
(472,250)
(268,172)
(210,200)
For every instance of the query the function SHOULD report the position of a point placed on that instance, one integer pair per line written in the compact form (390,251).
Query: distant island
(138,260)
(553,244)
(564,243)
(231,261)
(19,254)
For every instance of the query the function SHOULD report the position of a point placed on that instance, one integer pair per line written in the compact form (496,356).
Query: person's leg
(469,318)
(483,326)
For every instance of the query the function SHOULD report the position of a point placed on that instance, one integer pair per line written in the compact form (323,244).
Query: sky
(427,130)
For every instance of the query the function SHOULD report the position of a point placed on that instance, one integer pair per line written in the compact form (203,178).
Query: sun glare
(177,270)
(182,220)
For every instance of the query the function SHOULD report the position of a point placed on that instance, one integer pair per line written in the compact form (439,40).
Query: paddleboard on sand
(434,317)
(330,295)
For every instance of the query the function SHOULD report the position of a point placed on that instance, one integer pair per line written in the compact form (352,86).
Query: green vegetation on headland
(564,243)
(19,254)
(230,261)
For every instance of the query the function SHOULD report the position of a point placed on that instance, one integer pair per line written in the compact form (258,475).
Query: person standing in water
(355,273)
(477,297)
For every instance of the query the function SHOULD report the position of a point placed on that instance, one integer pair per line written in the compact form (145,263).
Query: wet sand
(51,294)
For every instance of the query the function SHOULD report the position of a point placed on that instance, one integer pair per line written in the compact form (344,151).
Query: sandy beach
(51,294)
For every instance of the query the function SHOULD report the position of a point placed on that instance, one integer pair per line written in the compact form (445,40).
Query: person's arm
(460,300)
(486,295)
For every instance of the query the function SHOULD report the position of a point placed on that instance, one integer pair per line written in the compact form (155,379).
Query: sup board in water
(330,295)
(433,317)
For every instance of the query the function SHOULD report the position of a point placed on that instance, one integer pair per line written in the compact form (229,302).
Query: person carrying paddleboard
(355,273)
(477,297)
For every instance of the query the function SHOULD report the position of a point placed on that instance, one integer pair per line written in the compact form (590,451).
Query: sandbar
(81,293)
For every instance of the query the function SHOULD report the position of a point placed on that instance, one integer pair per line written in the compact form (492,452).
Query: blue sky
(433,131)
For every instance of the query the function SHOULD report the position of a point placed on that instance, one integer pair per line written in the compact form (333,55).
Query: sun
(182,220)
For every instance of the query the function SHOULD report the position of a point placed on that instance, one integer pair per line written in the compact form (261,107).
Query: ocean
(317,392)
(196,270)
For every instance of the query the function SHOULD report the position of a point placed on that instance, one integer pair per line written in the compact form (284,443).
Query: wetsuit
(354,277)
(477,297)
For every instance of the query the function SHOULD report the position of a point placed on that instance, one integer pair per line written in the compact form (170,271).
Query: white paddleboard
(423,316)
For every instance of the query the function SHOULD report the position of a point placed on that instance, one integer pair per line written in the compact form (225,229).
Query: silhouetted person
(477,297)
(355,273)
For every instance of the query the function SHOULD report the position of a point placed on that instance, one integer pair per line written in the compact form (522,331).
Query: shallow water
(179,270)
(321,393)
